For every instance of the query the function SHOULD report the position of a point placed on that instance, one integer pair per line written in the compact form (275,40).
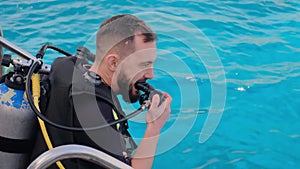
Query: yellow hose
(36,95)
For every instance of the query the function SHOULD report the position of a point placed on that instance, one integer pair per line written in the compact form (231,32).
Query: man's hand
(157,116)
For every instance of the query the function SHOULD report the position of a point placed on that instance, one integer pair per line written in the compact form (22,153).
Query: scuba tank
(17,120)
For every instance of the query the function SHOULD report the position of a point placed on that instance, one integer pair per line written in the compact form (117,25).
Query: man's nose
(149,74)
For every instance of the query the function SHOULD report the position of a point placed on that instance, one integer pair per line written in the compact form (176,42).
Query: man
(126,51)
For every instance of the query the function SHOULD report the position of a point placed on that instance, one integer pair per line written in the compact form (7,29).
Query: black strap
(15,145)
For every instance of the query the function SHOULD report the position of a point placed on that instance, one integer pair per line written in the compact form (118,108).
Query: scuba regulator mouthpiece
(149,92)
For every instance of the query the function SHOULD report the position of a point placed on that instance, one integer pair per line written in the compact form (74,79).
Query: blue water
(235,62)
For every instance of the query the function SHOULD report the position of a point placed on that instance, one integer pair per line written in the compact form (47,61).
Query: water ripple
(257,42)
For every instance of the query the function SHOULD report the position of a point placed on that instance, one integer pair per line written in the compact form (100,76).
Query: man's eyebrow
(147,62)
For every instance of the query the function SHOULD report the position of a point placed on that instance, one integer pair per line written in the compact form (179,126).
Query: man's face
(137,67)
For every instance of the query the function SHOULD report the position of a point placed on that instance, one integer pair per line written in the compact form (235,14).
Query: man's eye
(146,64)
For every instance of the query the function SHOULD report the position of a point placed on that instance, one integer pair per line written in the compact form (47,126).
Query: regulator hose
(41,52)
(28,86)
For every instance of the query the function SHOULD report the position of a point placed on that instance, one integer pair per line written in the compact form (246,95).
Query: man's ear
(112,61)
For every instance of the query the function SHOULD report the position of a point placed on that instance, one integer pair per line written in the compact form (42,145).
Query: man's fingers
(155,100)
(167,97)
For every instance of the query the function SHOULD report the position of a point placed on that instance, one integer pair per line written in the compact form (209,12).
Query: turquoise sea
(232,68)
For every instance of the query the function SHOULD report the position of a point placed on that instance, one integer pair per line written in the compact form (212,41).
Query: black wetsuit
(82,101)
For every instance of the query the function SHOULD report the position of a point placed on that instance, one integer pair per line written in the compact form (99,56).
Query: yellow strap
(116,118)
(36,95)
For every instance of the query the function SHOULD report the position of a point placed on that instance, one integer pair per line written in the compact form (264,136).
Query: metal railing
(76,151)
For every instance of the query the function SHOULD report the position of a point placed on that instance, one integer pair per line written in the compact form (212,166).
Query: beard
(127,90)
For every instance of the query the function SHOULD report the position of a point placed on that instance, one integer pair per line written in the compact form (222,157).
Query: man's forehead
(143,55)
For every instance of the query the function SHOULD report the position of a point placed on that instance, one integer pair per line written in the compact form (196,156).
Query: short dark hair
(117,34)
